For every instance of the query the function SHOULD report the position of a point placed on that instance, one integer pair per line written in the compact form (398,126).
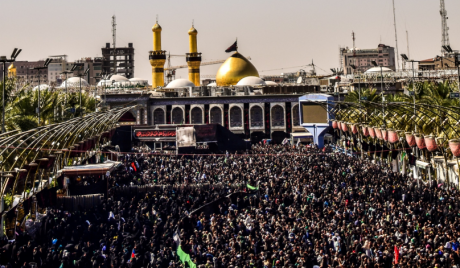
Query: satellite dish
(299,80)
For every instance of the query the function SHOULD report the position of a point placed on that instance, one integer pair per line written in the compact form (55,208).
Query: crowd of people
(296,207)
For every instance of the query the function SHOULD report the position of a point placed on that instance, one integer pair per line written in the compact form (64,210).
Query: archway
(257,117)
(158,116)
(277,116)
(216,115)
(236,117)
(127,117)
(197,115)
(177,115)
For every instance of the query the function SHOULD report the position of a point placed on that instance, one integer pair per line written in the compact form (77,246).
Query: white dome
(212,84)
(271,83)
(251,81)
(74,82)
(118,78)
(180,83)
(42,87)
(377,70)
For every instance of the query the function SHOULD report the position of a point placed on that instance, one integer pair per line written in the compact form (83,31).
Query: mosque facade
(239,100)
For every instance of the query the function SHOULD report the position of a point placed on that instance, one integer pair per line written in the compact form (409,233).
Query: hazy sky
(275,34)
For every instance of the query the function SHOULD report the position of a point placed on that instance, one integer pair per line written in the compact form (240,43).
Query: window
(236,117)
(177,116)
(277,116)
(216,115)
(197,116)
(257,119)
(158,116)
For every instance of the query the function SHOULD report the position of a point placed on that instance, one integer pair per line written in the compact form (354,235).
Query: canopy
(90,169)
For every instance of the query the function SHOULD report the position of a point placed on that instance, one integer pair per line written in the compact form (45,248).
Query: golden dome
(156,28)
(234,69)
(192,31)
(11,66)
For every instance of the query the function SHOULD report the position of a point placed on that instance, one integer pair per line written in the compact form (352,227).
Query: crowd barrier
(142,189)
(78,202)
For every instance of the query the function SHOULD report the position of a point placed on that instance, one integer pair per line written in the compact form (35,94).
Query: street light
(359,83)
(68,72)
(45,66)
(381,88)
(80,75)
(449,50)
(3,59)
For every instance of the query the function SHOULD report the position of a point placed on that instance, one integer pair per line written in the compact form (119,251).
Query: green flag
(185,258)
(252,187)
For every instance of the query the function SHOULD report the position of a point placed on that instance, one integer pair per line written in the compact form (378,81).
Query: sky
(279,36)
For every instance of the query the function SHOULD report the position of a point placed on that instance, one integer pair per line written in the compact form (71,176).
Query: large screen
(314,113)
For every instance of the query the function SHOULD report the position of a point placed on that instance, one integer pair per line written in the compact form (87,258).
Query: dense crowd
(312,208)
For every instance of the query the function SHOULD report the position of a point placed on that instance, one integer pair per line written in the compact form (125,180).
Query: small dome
(156,28)
(180,83)
(74,82)
(251,81)
(377,70)
(235,68)
(192,31)
(11,67)
(212,84)
(42,87)
(271,83)
(118,78)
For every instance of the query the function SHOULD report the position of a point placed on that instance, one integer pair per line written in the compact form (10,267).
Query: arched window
(295,116)
(257,118)
(216,115)
(197,115)
(236,118)
(177,116)
(277,116)
(158,116)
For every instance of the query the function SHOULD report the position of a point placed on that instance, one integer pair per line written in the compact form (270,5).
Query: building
(238,100)
(95,69)
(25,73)
(118,60)
(436,63)
(383,55)
(58,65)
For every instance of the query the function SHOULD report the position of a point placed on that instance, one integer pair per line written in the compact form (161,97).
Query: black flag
(233,47)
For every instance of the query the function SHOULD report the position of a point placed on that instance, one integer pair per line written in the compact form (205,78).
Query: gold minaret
(157,58)
(193,58)
(12,71)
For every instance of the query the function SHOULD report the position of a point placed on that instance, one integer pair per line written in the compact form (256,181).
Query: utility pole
(408,53)
(396,35)
(114,43)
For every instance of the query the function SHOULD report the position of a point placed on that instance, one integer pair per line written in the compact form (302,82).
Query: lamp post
(359,81)
(81,75)
(97,77)
(68,72)
(456,62)
(45,66)
(4,60)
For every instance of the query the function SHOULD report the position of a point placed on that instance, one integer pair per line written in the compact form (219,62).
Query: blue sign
(364,98)
(454,95)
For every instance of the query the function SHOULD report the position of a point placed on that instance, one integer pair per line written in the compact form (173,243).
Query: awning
(90,169)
